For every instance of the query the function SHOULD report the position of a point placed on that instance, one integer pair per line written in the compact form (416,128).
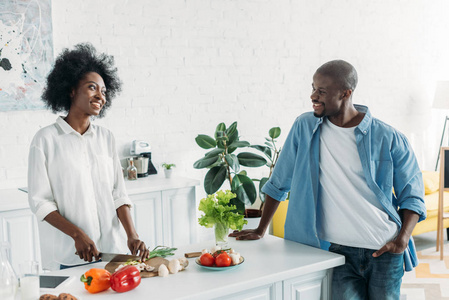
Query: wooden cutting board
(154,262)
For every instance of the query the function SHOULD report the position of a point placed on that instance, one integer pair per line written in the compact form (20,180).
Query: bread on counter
(62,296)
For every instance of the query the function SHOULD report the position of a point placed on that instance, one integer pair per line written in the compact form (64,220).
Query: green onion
(162,251)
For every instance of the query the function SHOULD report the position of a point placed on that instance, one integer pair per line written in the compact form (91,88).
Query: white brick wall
(187,65)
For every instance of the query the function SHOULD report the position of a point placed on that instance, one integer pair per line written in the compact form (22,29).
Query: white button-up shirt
(81,177)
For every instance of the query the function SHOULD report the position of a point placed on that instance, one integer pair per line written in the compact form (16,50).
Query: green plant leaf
(213,152)
(274,132)
(239,205)
(248,159)
(269,145)
(220,128)
(214,179)
(240,144)
(233,162)
(205,162)
(205,141)
(220,144)
(261,184)
(232,133)
(243,172)
(234,137)
(221,136)
(232,128)
(244,187)
(266,150)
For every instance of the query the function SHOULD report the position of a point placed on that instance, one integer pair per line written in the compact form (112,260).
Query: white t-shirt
(81,177)
(350,213)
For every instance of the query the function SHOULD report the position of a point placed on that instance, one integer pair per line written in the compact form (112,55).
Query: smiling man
(355,189)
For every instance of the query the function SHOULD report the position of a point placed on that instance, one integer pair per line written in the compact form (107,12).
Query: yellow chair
(279,219)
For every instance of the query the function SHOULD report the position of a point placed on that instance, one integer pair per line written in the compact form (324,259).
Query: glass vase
(221,235)
(8,279)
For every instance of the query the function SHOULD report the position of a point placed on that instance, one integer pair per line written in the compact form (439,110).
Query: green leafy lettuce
(217,209)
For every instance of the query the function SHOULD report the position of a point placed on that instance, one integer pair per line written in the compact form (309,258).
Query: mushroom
(174,266)
(235,257)
(184,263)
(162,271)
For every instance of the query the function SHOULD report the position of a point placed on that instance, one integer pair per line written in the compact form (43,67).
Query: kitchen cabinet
(274,268)
(164,213)
(18,226)
(164,210)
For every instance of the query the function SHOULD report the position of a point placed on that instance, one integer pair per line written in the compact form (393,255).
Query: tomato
(218,252)
(207,260)
(223,260)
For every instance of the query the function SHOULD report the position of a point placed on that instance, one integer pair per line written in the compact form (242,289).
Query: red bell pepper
(125,279)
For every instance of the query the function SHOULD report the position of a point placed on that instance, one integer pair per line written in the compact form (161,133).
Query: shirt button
(364,131)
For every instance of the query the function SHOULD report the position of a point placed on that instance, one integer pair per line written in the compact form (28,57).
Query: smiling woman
(72,163)
(71,68)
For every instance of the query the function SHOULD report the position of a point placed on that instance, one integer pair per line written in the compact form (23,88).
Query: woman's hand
(85,247)
(134,243)
(137,246)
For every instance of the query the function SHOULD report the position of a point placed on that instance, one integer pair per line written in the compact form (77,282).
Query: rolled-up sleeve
(40,195)
(119,192)
(280,181)
(408,183)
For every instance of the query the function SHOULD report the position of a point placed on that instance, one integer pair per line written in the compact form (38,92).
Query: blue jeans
(366,277)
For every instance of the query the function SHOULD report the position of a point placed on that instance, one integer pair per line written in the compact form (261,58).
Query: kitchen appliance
(142,158)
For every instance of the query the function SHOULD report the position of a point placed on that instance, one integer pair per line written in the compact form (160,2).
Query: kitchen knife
(116,257)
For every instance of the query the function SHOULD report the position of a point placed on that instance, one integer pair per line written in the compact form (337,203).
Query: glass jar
(8,279)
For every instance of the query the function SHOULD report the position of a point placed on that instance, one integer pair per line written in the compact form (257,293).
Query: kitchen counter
(13,199)
(273,268)
(157,182)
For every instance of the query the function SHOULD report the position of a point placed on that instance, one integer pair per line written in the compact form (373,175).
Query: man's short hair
(342,72)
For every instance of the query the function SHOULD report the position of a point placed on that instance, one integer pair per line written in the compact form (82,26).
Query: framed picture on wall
(26,53)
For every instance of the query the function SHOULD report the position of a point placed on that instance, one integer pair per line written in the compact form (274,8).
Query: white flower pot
(168,172)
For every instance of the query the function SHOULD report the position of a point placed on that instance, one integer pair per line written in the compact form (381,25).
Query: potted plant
(168,169)
(220,214)
(224,164)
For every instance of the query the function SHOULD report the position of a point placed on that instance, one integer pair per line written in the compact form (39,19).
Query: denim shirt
(388,162)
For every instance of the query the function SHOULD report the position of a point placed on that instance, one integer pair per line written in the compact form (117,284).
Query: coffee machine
(140,151)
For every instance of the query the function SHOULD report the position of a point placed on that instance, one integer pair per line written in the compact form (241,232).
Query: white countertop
(12,199)
(268,260)
(153,183)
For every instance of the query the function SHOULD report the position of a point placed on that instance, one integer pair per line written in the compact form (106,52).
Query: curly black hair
(70,67)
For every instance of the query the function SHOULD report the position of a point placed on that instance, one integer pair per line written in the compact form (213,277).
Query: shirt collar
(363,126)
(66,128)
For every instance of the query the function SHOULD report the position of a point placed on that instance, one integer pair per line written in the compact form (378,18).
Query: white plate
(220,268)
